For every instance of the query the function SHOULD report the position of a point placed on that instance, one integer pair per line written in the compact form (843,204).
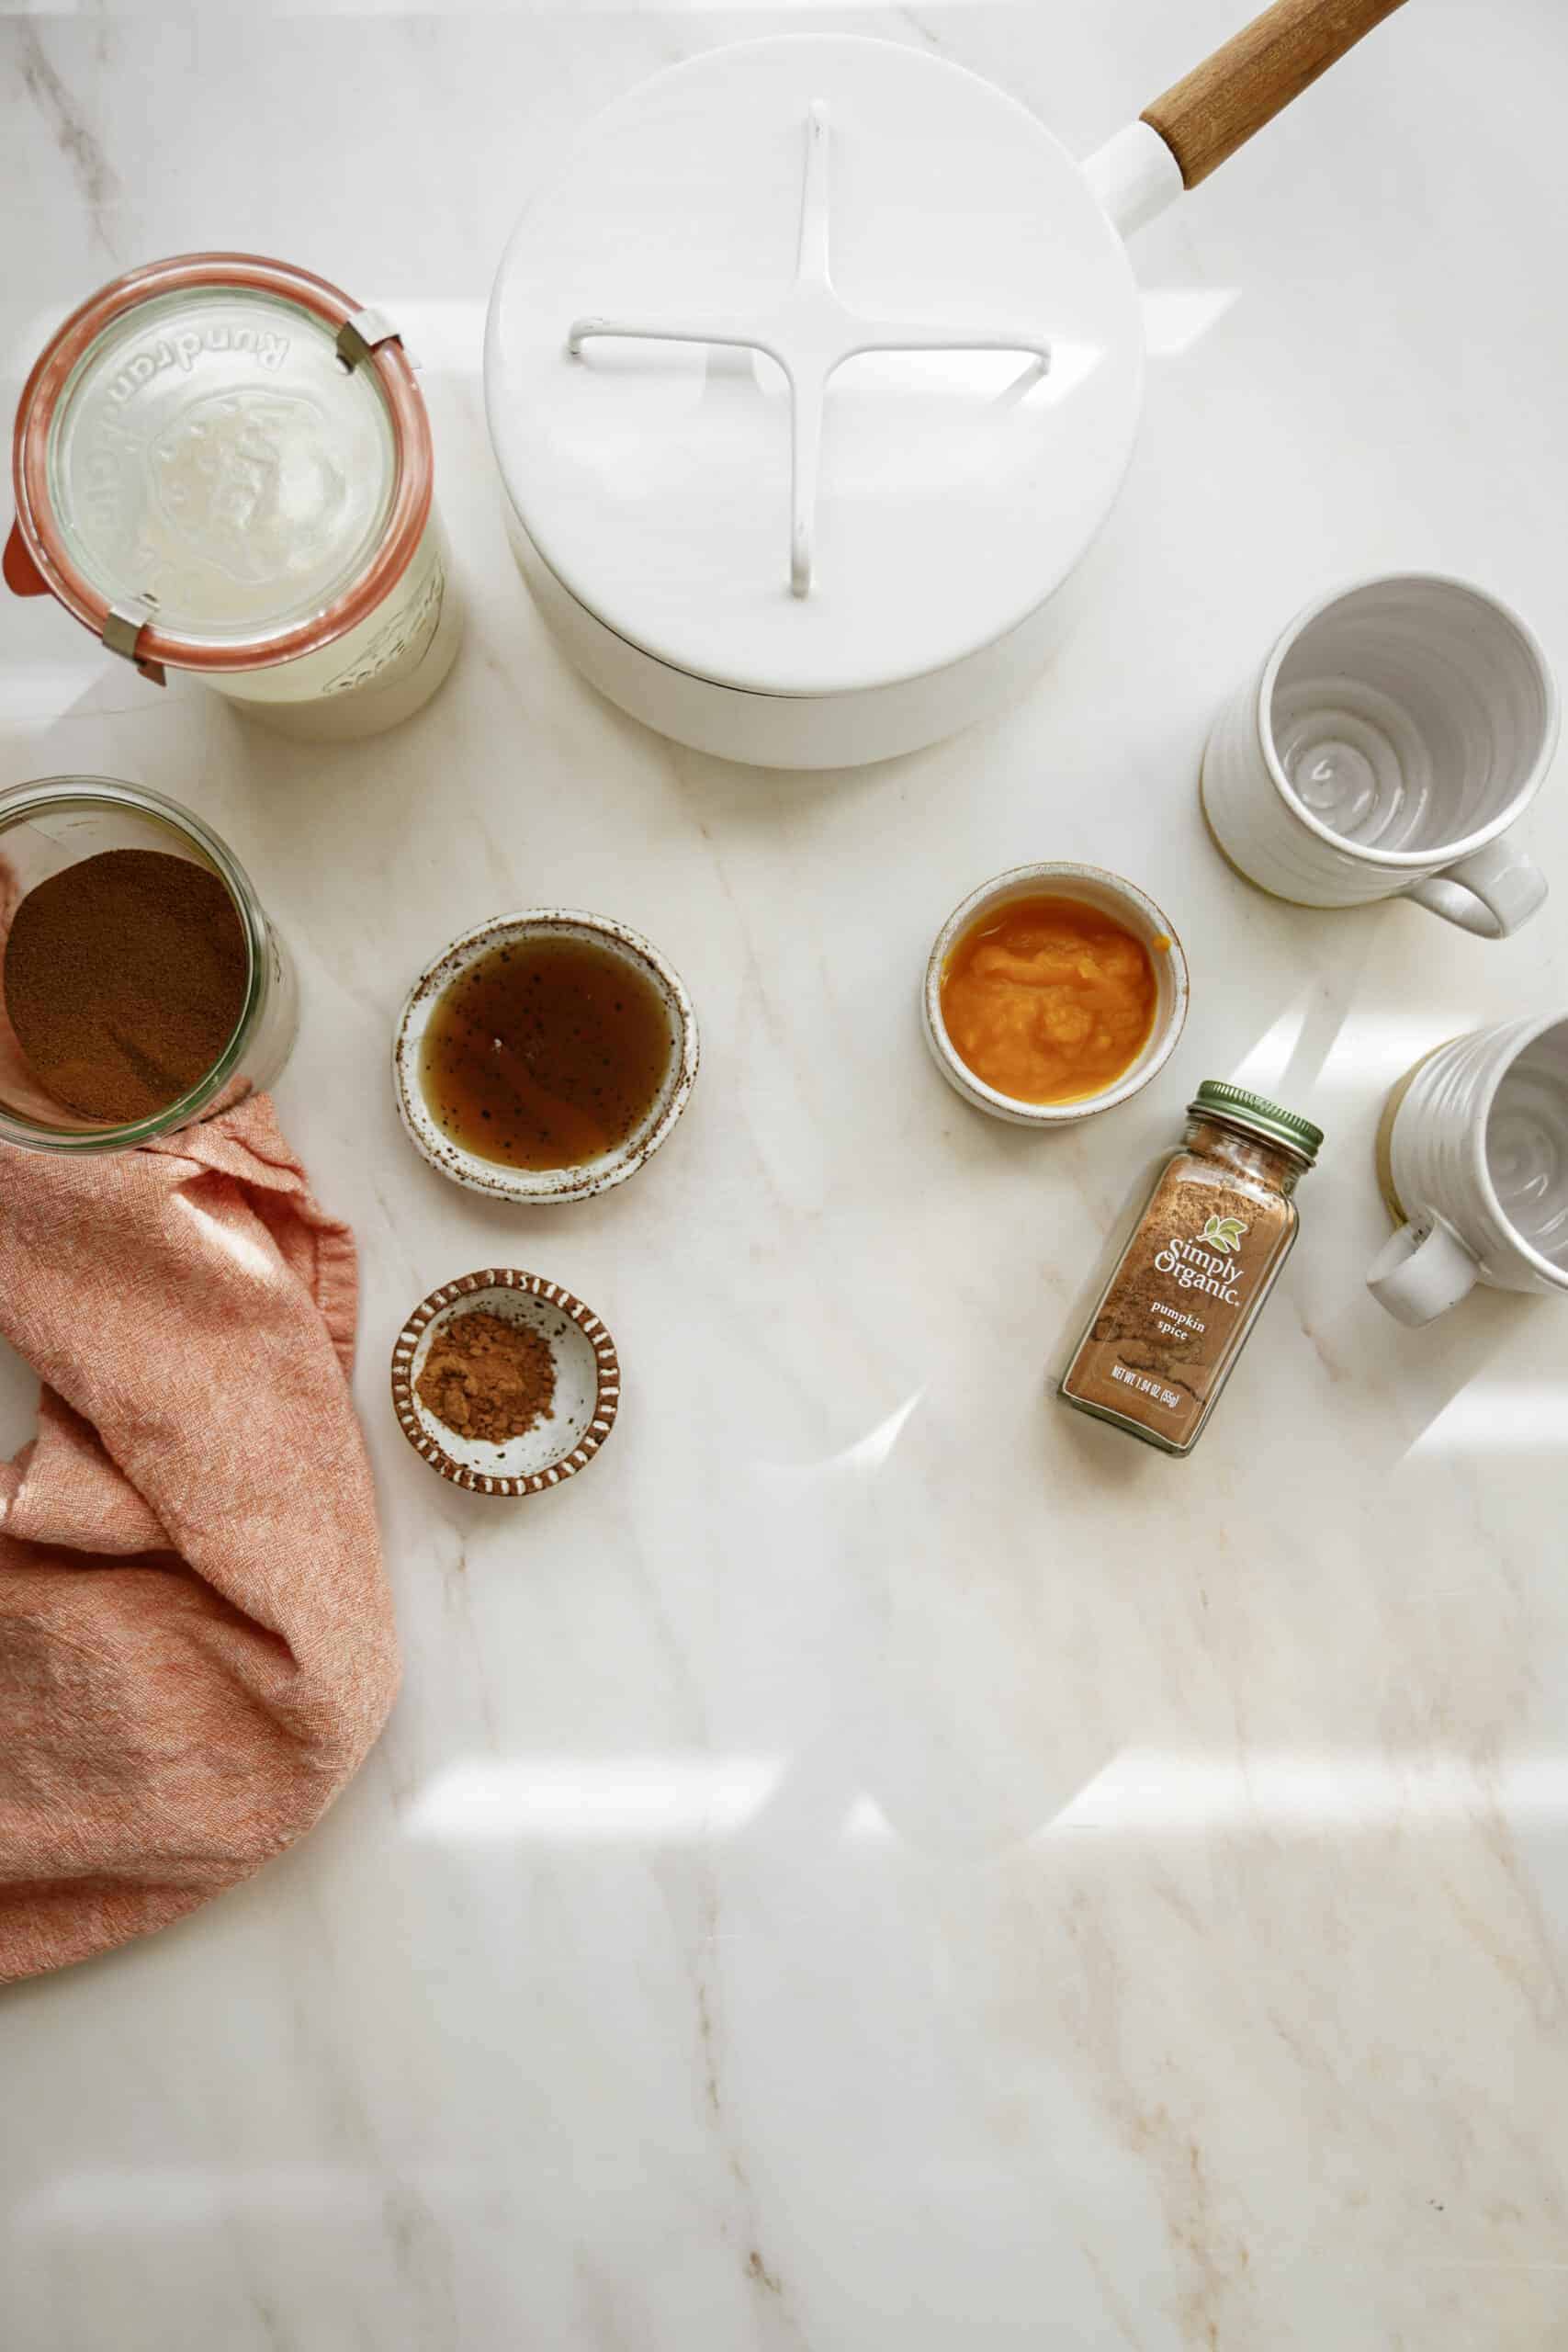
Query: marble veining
(882,1864)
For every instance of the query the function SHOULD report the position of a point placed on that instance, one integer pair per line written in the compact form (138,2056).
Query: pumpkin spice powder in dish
(486,1378)
(504,1384)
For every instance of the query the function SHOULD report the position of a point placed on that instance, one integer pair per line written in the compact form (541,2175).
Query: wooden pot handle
(1216,108)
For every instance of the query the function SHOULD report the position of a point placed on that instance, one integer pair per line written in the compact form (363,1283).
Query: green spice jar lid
(1255,1111)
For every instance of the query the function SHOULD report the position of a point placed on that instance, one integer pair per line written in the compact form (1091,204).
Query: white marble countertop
(880,1864)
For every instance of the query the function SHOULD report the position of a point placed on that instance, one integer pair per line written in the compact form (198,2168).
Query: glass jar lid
(195,449)
(1258,1114)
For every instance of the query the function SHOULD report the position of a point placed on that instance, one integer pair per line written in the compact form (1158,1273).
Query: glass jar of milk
(223,465)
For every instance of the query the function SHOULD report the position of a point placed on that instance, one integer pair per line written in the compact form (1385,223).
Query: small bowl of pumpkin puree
(1054,991)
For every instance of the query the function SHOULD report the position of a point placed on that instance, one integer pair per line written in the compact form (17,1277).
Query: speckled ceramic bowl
(588,1384)
(1125,904)
(545,1185)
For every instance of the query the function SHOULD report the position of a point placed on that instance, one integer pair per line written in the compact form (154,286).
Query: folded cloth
(196,1644)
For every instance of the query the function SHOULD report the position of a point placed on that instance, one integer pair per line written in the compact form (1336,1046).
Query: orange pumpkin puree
(1048,999)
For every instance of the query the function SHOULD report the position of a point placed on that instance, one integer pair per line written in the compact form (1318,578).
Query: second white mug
(1472,1156)
(1391,736)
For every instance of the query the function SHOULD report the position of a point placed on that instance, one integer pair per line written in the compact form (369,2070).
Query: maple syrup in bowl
(545,1055)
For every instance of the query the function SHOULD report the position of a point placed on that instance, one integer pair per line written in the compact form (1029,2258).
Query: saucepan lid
(674,300)
(221,462)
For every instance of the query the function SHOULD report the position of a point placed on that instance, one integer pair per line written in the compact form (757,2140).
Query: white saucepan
(815,371)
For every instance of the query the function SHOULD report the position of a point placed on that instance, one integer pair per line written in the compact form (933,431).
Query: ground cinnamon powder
(488,1378)
(125,977)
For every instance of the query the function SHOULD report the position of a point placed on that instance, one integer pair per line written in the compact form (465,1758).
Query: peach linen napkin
(197,1643)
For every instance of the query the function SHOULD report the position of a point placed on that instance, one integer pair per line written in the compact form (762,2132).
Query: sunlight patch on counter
(590,1800)
(870,1451)
(1299,1791)
(866,1453)
(42,690)
(1384,1044)
(1263,1065)
(1500,1417)
(1365,1050)
(1154,1792)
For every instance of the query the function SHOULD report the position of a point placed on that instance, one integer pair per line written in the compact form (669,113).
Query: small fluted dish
(587,1389)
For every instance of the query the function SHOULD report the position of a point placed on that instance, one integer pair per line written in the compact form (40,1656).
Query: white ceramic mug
(1391,738)
(1472,1154)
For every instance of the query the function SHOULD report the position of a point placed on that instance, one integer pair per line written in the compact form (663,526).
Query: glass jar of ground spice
(1213,1235)
(141,985)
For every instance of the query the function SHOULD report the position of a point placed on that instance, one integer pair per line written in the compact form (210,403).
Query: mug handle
(1423,1270)
(1491,894)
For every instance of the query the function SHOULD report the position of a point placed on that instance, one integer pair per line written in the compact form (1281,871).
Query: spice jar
(223,464)
(66,1036)
(1206,1251)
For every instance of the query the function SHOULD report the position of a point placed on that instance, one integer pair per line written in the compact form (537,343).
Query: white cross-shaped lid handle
(811,334)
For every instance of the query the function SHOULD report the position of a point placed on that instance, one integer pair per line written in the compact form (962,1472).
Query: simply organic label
(1178,1303)
(1207,1263)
